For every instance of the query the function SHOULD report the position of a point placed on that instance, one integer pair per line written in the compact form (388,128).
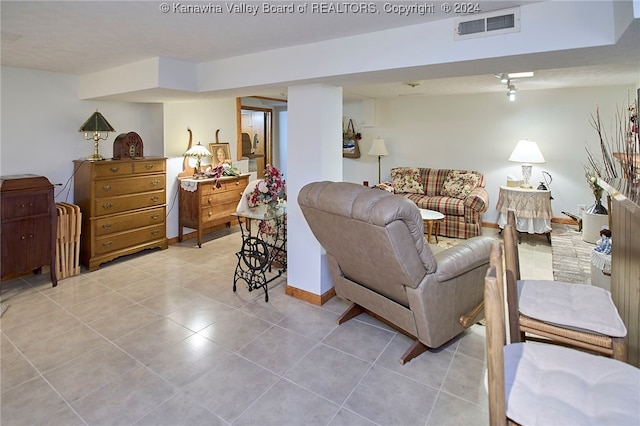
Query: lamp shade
(527,152)
(96,123)
(197,151)
(378,148)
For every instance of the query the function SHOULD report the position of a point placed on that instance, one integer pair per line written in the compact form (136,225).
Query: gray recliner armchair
(379,260)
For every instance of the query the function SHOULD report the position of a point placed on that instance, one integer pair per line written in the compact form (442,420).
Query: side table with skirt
(532,208)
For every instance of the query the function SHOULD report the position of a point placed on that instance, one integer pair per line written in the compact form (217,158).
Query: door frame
(268,144)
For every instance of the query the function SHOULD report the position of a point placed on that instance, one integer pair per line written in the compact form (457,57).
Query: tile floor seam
(243,304)
(43,377)
(444,379)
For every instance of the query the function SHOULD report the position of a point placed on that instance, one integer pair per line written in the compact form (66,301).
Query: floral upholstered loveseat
(458,194)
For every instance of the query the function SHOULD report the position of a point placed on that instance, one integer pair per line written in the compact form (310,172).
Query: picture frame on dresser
(220,154)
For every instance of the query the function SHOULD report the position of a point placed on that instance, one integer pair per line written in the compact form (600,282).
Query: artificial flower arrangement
(271,190)
(633,116)
(217,172)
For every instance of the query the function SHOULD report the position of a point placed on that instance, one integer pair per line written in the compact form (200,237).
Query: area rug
(443,243)
(571,255)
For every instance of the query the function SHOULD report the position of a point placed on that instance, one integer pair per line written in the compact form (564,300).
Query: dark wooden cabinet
(29,220)
(123,204)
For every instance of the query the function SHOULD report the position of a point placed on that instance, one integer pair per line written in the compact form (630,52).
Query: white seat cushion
(553,385)
(579,306)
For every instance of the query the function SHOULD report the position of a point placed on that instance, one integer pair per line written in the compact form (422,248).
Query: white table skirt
(530,226)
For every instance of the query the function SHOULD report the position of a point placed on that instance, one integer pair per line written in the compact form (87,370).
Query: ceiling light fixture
(525,74)
(506,76)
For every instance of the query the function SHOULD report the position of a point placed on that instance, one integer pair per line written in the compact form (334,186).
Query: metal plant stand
(262,257)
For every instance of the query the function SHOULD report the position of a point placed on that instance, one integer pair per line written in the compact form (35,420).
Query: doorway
(255,134)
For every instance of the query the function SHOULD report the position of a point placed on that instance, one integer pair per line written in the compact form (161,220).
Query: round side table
(431,217)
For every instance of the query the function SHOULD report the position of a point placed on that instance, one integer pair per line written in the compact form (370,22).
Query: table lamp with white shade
(526,152)
(198,152)
(378,148)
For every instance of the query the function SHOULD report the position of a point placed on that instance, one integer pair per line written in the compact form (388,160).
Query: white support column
(314,153)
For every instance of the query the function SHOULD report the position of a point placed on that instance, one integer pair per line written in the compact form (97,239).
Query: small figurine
(604,243)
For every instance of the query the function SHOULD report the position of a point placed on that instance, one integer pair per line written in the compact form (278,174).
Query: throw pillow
(407,180)
(459,184)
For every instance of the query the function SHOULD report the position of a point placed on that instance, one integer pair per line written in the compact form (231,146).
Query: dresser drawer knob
(23,237)
(107,206)
(155,198)
(155,232)
(155,182)
(22,206)
(149,166)
(106,226)
(155,216)
(106,187)
(114,169)
(107,243)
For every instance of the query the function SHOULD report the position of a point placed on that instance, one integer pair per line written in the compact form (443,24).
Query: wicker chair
(534,384)
(577,315)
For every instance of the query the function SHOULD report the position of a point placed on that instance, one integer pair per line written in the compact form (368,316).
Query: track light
(504,78)
(511,92)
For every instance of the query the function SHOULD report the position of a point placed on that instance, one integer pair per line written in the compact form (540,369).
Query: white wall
(479,132)
(203,118)
(41,115)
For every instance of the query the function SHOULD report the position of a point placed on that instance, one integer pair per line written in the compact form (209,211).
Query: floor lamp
(378,148)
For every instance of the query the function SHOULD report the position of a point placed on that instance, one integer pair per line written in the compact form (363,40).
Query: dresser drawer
(122,203)
(218,198)
(127,221)
(104,169)
(235,186)
(150,166)
(130,185)
(128,239)
(219,212)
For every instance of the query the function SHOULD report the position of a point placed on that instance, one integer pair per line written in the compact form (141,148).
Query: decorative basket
(350,137)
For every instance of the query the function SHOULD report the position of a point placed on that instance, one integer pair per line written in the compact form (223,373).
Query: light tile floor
(159,338)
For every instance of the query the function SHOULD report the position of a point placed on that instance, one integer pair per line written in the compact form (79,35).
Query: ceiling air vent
(498,22)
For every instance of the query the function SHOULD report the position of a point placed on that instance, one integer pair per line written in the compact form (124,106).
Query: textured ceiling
(79,37)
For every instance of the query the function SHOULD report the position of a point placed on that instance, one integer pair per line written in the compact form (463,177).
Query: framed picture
(220,154)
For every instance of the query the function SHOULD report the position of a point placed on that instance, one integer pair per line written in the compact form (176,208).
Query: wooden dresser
(203,206)
(123,205)
(28,230)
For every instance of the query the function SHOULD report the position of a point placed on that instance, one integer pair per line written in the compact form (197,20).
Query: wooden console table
(532,208)
(203,206)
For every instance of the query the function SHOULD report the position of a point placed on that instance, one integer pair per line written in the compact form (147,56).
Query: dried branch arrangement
(620,143)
